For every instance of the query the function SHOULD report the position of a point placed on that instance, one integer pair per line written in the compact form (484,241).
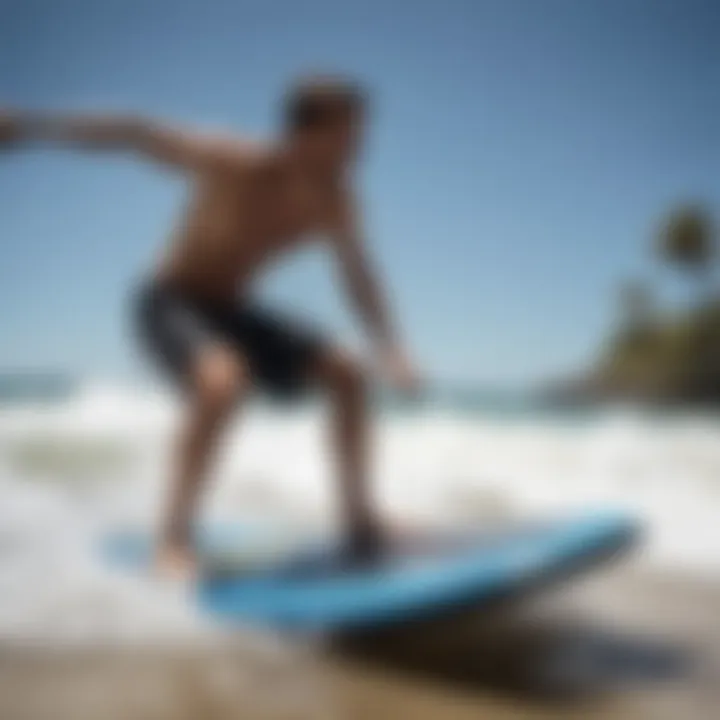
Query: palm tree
(687,239)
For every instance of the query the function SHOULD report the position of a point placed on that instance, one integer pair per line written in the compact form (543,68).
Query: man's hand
(400,372)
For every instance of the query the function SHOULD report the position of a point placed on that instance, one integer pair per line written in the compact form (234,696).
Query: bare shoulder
(235,152)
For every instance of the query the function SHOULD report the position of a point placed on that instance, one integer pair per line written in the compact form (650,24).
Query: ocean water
(96,457)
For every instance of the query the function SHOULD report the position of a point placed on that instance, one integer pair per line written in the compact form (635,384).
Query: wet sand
(621,645)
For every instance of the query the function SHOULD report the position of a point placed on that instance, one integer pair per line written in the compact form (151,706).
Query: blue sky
(521,153)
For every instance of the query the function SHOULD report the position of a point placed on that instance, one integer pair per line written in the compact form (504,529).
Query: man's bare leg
(218,382)
(347,385)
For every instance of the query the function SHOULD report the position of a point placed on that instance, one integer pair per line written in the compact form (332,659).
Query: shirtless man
(195,314)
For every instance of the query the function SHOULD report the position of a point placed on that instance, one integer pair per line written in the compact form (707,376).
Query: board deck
(251,576)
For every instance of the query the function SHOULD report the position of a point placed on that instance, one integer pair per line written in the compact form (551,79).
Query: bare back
(242,213)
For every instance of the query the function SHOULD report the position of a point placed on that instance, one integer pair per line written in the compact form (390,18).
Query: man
(196,315)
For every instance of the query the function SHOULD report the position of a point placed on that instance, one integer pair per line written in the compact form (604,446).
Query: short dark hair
(316,101)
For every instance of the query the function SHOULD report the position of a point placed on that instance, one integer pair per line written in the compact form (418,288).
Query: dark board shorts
(174,326)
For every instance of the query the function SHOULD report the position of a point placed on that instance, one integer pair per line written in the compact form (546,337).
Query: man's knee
(220,379)
(344,374)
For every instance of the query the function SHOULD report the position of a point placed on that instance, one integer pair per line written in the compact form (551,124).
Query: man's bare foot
(176,563)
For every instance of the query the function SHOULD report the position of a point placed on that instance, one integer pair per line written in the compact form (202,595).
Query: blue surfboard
(251,577)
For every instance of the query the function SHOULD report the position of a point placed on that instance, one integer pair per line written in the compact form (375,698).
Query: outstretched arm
(152,139)
(364,289)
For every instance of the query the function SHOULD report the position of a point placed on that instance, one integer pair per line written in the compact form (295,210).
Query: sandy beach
(618,645)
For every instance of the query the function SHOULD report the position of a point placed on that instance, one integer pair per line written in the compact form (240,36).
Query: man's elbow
(136,130)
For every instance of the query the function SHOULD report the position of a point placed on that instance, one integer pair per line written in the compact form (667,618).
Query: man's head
(323,119)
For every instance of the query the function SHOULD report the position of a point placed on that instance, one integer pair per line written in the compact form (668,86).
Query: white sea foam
(73,470)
